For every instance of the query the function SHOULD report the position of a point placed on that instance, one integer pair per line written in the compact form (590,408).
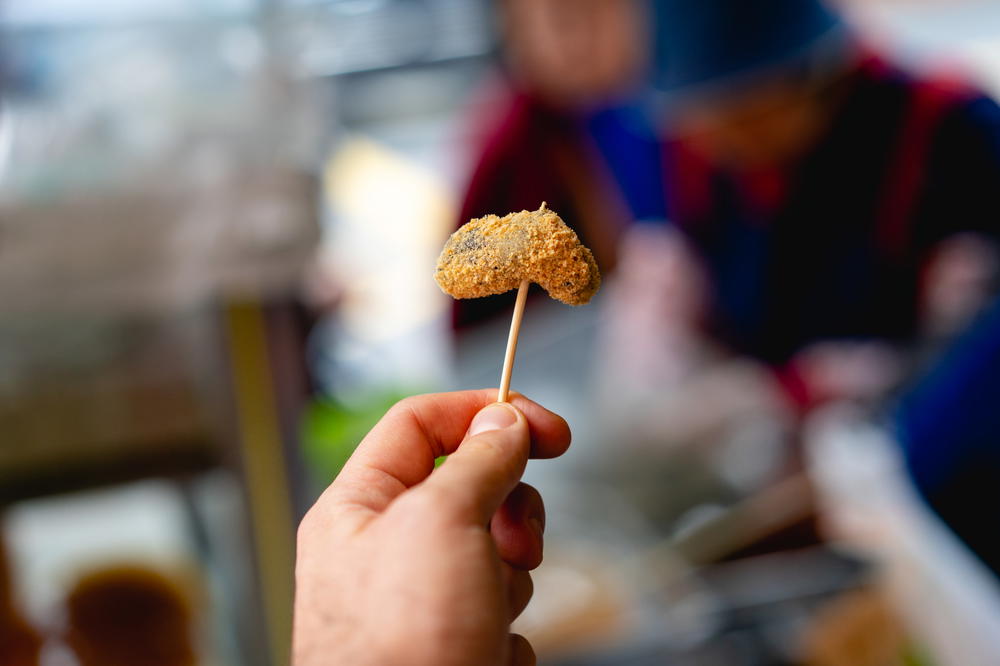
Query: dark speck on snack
(472,242)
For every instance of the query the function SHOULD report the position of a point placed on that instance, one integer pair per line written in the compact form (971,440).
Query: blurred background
(219,221)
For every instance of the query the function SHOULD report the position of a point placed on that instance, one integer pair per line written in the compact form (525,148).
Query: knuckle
(498,453)
(404,406)
(495,443)
(485,444)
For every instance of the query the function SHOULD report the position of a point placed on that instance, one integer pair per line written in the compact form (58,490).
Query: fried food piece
(492,255)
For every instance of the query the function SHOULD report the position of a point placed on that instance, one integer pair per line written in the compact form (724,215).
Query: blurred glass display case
(161,196)
(158,205)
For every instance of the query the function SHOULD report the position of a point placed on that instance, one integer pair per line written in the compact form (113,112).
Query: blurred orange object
(19,642)
(858,629)
(129,615)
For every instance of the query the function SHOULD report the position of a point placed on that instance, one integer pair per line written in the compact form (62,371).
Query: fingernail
(493,417)
(537,526)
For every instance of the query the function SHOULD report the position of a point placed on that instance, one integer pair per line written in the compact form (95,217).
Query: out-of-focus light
(936,34)
(241,48)
(36,13)
(983,57)
(6,138)
(356,6)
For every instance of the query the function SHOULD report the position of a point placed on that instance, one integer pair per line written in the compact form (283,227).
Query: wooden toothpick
(515,327)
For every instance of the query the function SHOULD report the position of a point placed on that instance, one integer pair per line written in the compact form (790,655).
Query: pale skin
(399,565)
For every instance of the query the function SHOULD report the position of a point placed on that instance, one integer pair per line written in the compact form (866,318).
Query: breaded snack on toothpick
(492,255)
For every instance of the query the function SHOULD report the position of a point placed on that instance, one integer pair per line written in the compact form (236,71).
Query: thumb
(486,466)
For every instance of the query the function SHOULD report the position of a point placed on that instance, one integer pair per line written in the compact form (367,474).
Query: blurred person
(829,213)
(129,615)
(814,182)
(20,644)
(402,563)
(566,126)
(829,210)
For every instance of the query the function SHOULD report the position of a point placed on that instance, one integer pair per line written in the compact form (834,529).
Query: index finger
(400,450)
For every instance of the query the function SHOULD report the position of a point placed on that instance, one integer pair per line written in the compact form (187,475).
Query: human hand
(836,370)
(399,565)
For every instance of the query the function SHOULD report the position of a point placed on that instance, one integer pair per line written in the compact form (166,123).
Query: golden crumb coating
(491,255)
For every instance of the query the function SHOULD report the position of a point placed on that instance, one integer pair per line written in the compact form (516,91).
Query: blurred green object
(331,431)
(916,657)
